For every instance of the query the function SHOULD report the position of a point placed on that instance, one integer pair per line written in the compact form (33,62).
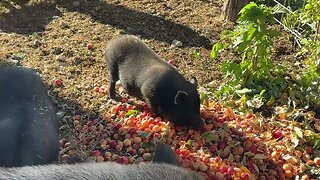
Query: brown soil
(51,37)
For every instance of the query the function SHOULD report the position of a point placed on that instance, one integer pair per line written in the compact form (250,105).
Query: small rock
(44,53)
(57,50)
(118,83)
(64,25)
(36,43)
(19,56)
(213,83)
(176,43)
(60,59)
(12,61)
(69,53)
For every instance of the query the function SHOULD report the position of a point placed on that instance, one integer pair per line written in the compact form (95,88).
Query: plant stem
(255,59)
(316,41)
(245,79)
(247,74)
(317,31)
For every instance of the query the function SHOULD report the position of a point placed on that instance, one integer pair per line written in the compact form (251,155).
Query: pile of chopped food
(230,145)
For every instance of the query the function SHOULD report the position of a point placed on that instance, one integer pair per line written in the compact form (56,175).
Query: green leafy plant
(292,4)
(253,39)
(195,54)
(310,15)
(303,24)
(307,21)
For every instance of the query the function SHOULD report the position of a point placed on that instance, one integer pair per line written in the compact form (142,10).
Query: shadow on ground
(139,23)
(34,18)
(78,135)
(29,18)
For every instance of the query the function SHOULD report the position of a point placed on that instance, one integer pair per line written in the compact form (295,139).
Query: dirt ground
(51,37)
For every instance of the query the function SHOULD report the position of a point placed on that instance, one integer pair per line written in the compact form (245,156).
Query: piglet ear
(179,97)
(194,81)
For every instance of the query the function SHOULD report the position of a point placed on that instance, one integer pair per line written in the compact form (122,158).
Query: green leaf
(243,91)
(250,154)
(231,67)
(242,46)
(271,100)
(147,145)
(132,112)
(315,171)
(196,54)
(209,136)
(203,97)
(144,134)
(205,134)
(317,144)
(189,143)
(262,92)
(238,40)
(274,33)
(251,33)
(243,100)
(279,9)
(225,127)
(247,8)
(216,49)
(312,170)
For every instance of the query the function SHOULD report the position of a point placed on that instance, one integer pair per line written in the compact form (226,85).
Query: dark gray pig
(28,121)
(164,154)
(100,171)
(105,170)
(143,74)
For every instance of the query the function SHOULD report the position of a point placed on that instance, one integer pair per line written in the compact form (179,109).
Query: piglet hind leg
(112,84)
(112,89)
(114,99)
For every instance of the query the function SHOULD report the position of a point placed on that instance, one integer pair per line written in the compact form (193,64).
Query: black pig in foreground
(105,171)
(143,74)
(28,121)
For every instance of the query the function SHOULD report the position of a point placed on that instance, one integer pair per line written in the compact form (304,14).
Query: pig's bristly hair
(99,171)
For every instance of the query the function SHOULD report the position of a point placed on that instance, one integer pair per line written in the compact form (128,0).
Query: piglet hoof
(112,101)
(154,113)
(112,95)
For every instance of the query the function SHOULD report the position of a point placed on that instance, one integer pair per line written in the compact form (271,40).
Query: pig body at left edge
(28,121)
(160,169)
